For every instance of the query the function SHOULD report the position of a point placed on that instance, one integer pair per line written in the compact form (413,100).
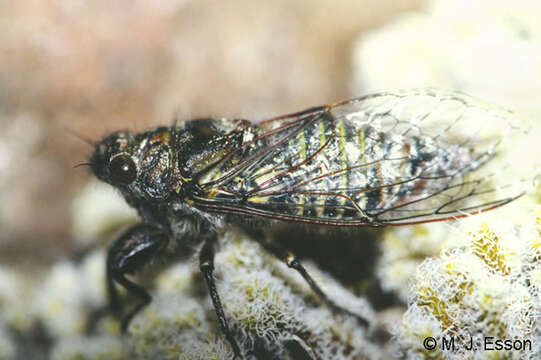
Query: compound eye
(123,171)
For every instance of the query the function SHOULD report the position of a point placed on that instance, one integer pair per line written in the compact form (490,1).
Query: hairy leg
(134,249)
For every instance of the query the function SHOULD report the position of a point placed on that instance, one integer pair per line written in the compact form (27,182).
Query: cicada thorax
(202,144)
(155,163)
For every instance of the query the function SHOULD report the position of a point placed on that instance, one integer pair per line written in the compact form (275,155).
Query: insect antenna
(79,136)
(83,164)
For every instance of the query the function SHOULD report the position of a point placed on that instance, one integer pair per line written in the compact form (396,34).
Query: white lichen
(13,310)
(89,348)
(475,291)
(97,211)
(267,312)
(7,345)
(59,301)
(489,48)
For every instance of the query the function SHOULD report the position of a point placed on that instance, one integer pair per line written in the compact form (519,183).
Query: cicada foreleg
(134,249)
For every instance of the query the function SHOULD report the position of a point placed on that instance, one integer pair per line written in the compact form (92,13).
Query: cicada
(393,158)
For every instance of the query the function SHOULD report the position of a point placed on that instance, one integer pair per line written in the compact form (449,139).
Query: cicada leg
(206,264)
(294,263)
(134,249)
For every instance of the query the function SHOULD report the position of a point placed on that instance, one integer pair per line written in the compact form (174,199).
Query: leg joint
(206,266)
(291,261)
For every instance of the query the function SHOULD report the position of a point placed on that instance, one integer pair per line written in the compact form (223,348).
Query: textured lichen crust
(477,291)
(271,316)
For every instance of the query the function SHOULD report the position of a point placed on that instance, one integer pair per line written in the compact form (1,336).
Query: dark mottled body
(371,161)
(385,159)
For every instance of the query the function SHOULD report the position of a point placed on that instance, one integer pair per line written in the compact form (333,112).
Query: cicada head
(138,165)
(112,160)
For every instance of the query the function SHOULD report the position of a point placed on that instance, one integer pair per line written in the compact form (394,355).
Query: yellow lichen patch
(458,279)
(431,354)
(534,242)
(438,307)
(250,292)
(466,288)
(485,246)
(421,351)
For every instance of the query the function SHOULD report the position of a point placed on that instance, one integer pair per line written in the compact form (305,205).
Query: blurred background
(72,70)
(77,67)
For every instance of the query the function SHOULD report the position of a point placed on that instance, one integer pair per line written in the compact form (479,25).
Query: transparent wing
(390,158)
